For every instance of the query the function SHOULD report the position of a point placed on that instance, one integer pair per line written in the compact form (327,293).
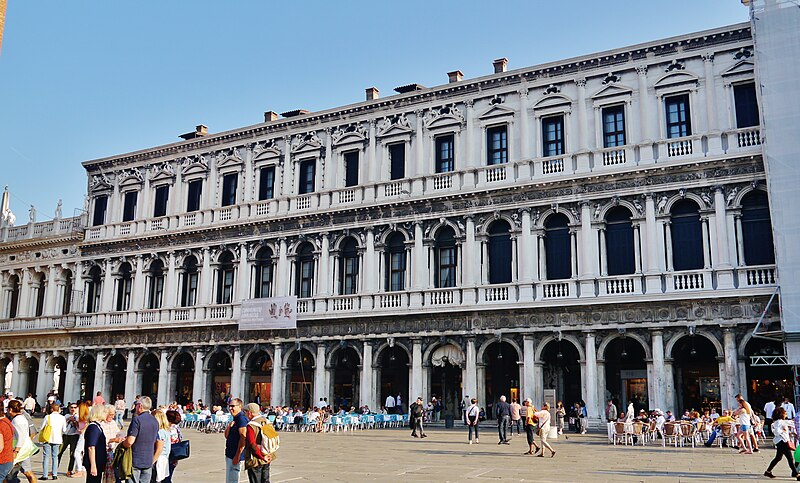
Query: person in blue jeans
(235,440)
(142,433)
(58,425)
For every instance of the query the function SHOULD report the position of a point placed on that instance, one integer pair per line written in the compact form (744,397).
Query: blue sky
(86,79)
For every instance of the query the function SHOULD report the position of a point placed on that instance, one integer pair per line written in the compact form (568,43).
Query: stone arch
(573,220)
(701,205)
(256,247)
(215,257)
(537,354)
(294,348)
(173,359)
(483,228)
(215,353)
(376,353)
(426,356)
(295,246)
(442,223)
(488,342)
(408,236)
(330,356)
(737,201)
(611,204)
(337,243)
(601,349)
(153,259)
(711,337)
(255,350)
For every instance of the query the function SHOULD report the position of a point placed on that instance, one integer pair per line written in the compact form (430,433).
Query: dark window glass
(351,168)
(757,230)
(99,215)
(687,236)
(124,287)
(446,262)
(40,298)
(263,269)
(229,182)
(156,295)
(162,197)
(304,272)
(678,122)
(190,279)
(445,154)
(558,247)
(395,263)
(306,173)
(619,242)
(129,206)
(348,268)
(746,105)
(225,279)
(553,136)
(266,183)
(67,303)
(14,305)
(194,194)
(499,252)
(397,155)
(613,126)
(496,145)
(93,290)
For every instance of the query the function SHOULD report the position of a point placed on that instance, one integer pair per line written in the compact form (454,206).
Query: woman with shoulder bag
(784,442)
(531,426)
(472,419)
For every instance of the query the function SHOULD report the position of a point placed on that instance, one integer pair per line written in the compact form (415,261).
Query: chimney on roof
(270,116)
(296,112)
(500,65)
(199,131)
(372,93)
(455,76)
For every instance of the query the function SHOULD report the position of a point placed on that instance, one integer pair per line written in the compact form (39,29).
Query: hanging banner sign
(268,313)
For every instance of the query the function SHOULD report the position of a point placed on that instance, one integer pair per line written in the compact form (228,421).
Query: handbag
(179,450)
(46,432)
(792,446)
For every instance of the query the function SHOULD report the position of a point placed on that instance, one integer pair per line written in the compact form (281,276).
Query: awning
(447,354)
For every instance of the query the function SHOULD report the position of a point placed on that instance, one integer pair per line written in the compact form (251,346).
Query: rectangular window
(229,182)
(189,298)
(445,154)
(129,206)
(678,120)
(194,194)
(613,126)
(266,183)
(99,215)
(351,168)
(746,104)
(447,267)
(397,271)
(264,282)
(553,136)
(496,145)
(156,292)
(397,157)
(349,275)
(306,278)
(306,176)
(162,197)
(225,289)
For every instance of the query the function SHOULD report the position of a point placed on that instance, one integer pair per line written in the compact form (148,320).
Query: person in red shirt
(99,399)
(256,462)
(6,446)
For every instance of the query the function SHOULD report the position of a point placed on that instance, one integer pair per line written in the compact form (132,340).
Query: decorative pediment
(266,150)
(612,90)
(743,67)
(351,133)
(228,157)
(100,182)
(306,142)
(676,78)
(553,100)
(495,111)
(163,171)
(447,115)
(394,126)
(194,165)
(130,177)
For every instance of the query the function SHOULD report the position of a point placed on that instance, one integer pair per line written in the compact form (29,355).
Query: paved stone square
(392,455)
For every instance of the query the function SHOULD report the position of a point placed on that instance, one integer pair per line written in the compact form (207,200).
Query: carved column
(41,379)
(282,271)
(370,263)
(107,288)
(320,374)
(723,267)
(470,262)
(243,291)
(138,296)
(236,373)
(51,292)
(163,378)
(419,155)
(71,383)
(198,391)
(645,136)
(528,376)
(204,292)
(591,376)
(16,375)
(171,283)
(706,242)
(130,379)
(277,394)
(366,386)
(25,289)
(416,369)
(658,386)
(583,140)
(323,280)
(471,379)
(731,364)
(419,275)
(589,258)
(101,359)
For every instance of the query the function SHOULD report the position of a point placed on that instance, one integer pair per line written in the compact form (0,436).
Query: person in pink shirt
(98,399)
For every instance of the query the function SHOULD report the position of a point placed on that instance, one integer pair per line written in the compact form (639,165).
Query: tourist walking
(742,435)
(437,409)
(472,420)
(530,426)
(235,439)
(503,414)
(611,412)
(22,435)
(782,429)
(516,420)
(99,400)
(142,434)
(95,456)
(417,411)
(175,436)
(255,460)
(769,407)
(561,413)
(163,447)
(390,404)
(51,440)
(70,437)
(583,416)
(119,409)
(6,446)
(543,417)
(83,421)
(29,404)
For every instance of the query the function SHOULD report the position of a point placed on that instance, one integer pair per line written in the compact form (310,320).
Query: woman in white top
(472,416)
(742,435)
(781,428)
(544,430)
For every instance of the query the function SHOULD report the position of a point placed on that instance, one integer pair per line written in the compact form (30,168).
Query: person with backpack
(262,442)
(472,420)
(417,411)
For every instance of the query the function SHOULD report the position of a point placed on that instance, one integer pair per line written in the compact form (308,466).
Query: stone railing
(41,229)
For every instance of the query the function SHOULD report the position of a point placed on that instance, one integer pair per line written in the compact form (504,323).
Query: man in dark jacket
(503,413)
(417,411)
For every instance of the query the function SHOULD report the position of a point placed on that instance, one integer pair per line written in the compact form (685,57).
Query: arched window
(687,236)
(41,286)
(499,252)
(124,287)
(225,274)
(263,272)
(304,271)
(155,296)
(348,267)
(67,302)
(557,247)
(93,286)
(445,258)
(620,259)
(189,282)
(395,262)
(757,229)
(13,306)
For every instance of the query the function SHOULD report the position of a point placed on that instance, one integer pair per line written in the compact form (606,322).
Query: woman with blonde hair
(114,436)
(83,422)
(163,446)
(95,455)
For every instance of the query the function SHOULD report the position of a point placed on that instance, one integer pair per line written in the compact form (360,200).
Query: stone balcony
(43,229)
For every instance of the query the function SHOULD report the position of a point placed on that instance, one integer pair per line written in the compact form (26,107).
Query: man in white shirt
(789,407)
(769,408)
(390,403)
(29,404)
(399,405)
(58,424)
(9,397)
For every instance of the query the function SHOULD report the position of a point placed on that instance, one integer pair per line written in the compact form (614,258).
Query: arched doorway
(33,376)
(219,378)
(59,375)
(260,387)
(766,379)
(501,372)
(626,374)
(116,367)
(446,378)
(148,368)
(345,378)
(696,373)
(561,371)
(183,366)
(86,371)
(394,367)
(301,378)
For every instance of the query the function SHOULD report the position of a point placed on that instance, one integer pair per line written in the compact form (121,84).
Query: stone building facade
(588,229)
